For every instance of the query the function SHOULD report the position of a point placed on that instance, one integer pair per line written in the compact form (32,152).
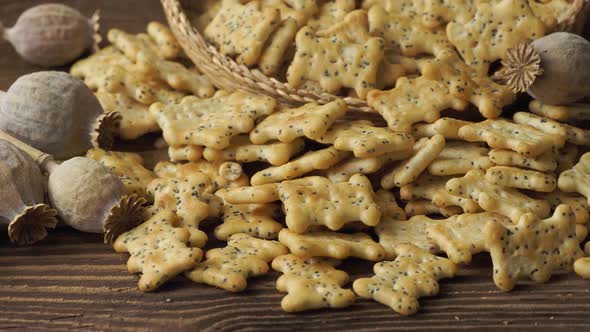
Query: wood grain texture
(71,281)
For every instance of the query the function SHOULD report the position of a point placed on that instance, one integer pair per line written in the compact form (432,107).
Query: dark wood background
(73,281)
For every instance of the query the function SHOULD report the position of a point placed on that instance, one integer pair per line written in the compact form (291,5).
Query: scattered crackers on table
(435,175)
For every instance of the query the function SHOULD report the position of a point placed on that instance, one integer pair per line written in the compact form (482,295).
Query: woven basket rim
(226,73)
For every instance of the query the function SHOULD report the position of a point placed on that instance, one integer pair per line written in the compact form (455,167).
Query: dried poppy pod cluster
(87,195)
(22,189)
(52,35)
(56,113)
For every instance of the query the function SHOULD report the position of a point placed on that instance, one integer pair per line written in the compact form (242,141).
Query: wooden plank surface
(73,281)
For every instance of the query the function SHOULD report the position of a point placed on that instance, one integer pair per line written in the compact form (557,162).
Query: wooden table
(73,281)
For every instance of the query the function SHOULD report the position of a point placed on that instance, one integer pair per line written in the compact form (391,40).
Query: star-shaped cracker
(243,151)
(128,167)
(400,283)
(393,232)
(317,201)
(405,33)
(577,179)
(330,13)
(448,127)
(533,248)
(185,153)
(332,244)
(462,237)
(136,120)
(311,120)
(468,84)
(433,188)
(438,12)
(354,27)
(344,170)
(544,163)
(299,10)
(158,250)
(459,157)
(230,267)
(493,198)
(579,204)
(554,13)
(242,30)
(277,52)
(412,101)
(495,28)
(168,47)
(366,140)
(257,220)
(187,198)
(313,160)
(504,134)
(388,205)
(335,63)
(212,169)
(311,284)
(213,130)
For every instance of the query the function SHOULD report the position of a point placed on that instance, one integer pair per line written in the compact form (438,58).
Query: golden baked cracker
(493,198)
(185,153)
(136,119)
(128,167)
(365,139)
(311,283)
(581,232)
(554,12)
(187,197)
(462,237)
(158,250)
(389,73)
(206,10)
(412,101)
(311,120)
(266,193)
(582,267)
(168,170)
(131,45)
(411,169)
(241,150)
(543,124)
(577,179)
(439,12)
(460,157)
(272,58)
(405,33)
(310,161)
(448,127)
(231,171)
(178,120)
(388,205)
(392,233)
(567,157)
(400,283)
(230,267)
(504,134)
(569,113)
(427,208)
(317,201)
(466,83)
(175,74)
(335,63)
(514,177)
(298,10)
(242,30)
(344,170)
(354,27)
(543,163)
(332,244)
(578,204)
(495,28)
(330,12)
(433,188)
(257,220)
(168,46)
(533,248)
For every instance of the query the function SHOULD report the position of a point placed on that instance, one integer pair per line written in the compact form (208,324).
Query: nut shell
(84,192)
(51,35)
(53,112)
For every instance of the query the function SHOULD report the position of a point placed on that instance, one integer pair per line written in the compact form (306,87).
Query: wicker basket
(227,74)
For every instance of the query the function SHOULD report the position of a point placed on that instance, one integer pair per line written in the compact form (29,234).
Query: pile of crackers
(300,189)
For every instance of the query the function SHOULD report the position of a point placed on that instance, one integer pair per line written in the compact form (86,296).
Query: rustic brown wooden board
(73,281)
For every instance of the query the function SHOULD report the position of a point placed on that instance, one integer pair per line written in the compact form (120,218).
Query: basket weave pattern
(227,74)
